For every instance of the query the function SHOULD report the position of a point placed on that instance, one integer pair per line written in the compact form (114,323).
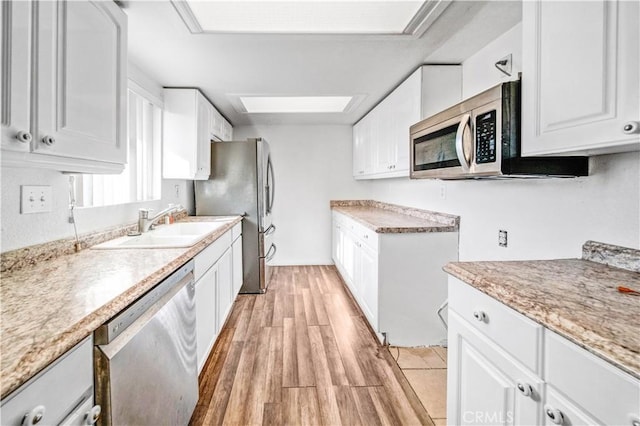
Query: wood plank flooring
(302,354)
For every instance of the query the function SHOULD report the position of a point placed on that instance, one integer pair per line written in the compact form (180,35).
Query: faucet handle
(144,213)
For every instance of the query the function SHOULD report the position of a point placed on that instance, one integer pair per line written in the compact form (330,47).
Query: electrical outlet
(443,191)
(502,238)
(35,199)
(177,189)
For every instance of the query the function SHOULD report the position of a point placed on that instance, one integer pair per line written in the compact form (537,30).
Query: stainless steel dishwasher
(145,357)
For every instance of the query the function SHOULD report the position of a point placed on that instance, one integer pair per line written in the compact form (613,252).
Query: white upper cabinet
(190,124)
(74,104)
(16,82)
(381,138)
(580,85)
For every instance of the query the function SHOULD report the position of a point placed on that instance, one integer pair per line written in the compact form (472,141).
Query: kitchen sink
(183,234)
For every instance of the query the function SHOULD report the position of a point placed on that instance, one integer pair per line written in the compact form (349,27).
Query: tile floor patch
(431,388)
(419,358)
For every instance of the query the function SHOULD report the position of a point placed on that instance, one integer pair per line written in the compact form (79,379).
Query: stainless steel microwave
(480,138)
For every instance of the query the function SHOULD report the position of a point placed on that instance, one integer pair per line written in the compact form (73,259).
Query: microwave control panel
(486,137)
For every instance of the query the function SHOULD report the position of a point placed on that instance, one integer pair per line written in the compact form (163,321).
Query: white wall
(22,230)
(313,165)
(545,218)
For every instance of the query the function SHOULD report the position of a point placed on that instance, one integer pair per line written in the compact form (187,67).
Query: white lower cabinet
(61,394)
(495,373)
(396,278)
(486,386)
(236,248)
(206,322)
(217,286)
(225,287)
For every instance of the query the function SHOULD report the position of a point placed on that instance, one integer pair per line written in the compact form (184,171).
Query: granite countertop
(576,298)
(50,306)
(387,218)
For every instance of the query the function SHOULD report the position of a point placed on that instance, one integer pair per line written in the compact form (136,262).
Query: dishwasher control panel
(116,325)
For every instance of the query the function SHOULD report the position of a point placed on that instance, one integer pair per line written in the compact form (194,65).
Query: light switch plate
(35,199)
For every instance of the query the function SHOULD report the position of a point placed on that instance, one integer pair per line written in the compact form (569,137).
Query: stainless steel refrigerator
(242,183)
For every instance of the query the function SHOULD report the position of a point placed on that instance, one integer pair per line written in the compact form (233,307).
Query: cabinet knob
(48,140)
(635,420)
(24,137)
(554,415)
(34,416)
(481,316)
(92,415)
(525,388)
(631,127)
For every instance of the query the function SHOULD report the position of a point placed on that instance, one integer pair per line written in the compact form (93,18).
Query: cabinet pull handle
(24,137)
(48,140)
(631,127)
(635,420)
(481,316)
(34,416)
(555,415)
(92,415)
(525,388)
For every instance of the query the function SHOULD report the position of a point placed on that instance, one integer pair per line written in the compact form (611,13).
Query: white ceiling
(225,66)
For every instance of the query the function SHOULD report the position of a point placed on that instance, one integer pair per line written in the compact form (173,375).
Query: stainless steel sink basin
(182,234)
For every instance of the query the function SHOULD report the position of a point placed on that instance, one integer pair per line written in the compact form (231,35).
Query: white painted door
(16,75)
(225,287)
(206,327)
(368,285)
(580,84)
(82,80)
(407,113)
(358,149)
(483,384)
(204,115)
(349,258)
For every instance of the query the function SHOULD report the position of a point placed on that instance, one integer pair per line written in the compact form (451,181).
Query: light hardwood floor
(303,354)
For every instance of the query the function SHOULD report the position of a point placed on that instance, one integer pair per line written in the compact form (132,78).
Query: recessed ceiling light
(294,104)
(388,17)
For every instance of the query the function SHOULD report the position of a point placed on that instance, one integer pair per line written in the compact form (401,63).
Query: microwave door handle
(463,129)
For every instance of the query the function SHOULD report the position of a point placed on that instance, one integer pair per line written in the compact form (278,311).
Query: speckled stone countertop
(576,298)
(50,306)
(387,218)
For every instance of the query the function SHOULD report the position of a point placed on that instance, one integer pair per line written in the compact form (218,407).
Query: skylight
(294,104)
(303,16)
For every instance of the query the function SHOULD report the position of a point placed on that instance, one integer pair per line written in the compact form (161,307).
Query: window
(140,180)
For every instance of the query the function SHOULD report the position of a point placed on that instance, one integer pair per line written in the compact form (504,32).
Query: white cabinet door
(406,113)
(237,265)
(368,283)
(349,258)
(206,315)
(82,79)
(484,386)
(225,287)
(580,85)
(16,75)
(204,113)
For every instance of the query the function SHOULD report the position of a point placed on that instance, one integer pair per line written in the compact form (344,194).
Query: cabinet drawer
(512,331)
(606,392)
(366,236)
(207,257)
(59,388)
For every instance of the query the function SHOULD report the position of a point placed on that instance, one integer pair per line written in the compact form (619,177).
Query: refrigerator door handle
(270,255)
(270,230)
(271,182)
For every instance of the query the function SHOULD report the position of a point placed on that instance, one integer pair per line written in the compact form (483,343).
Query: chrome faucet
(145,223)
